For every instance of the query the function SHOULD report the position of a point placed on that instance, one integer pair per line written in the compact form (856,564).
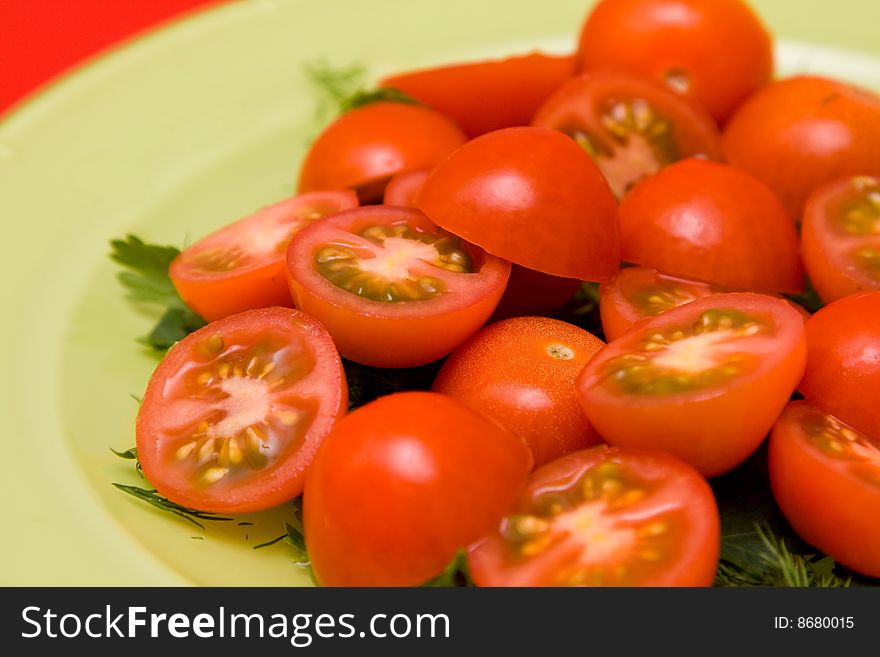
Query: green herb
(150,496)
(245,524)
(296,535)
(342,88)
(272,542)
(583,310)
(362,97)
(145,278)
(367,383)
(131,454)
(455,574)
(809,298)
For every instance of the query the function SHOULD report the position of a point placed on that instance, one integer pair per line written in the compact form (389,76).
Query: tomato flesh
(630,127)
(605,517)
(819,463)
(235,412)
(678,383)
(393,289)
(841,237)
(241,266)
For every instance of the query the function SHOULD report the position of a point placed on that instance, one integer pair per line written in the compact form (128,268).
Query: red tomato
(531,196)
(800,133)
(704,382)
(521,372)
(637,294)
(713,52)
(841,237)
(826,479)
(404,188)
(488,95)
(392,288)
(843,361)
(241,266)
(364,147)
(402,484)
(605,517)
(234,414)
(711,222)
(632,128)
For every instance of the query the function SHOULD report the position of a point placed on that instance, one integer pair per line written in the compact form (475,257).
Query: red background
(40,39)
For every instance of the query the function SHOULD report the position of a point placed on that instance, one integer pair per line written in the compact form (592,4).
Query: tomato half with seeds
(403,483)
(521,372)
(704,382)
(710,222)
(826,479)
(637,294)
(841,237)
(713,52)
(487,95)
(365,147)
(393,289)
(630,127)
(532,196)
(241,266)
(606,516)
(234,414)
(843,361)
(799,133)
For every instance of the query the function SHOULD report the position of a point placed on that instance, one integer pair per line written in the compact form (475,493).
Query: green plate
(172,135)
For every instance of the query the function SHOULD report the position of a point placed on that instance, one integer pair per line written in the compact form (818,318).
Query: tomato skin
(721,47)
(584,102)
(215,294)
(709,222)
(404,188)
(799,133)
(402,334)
(164,413)
(404,482)
(677,485)
(365,146)
(529,195)
(487,95)
(828,502)
(508,371)
(825,244)
(704,427)
(843,361)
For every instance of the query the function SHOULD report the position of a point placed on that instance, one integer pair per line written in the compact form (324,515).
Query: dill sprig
(150,496)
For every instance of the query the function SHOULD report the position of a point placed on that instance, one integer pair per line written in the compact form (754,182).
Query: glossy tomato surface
(487,95)
(704,382)
(637,294)
(521,372)
(393,289)
(713,52)
(605,517)
(841,237)
(631,127)
(826,479)
(799,133)
(241,266)
(710,222)
(532,196)
(404,188)
(364,147)
(402,484)
(234,414)
(843,361)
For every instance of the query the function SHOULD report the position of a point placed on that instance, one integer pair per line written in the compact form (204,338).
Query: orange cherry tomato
(606,516)
(521,372)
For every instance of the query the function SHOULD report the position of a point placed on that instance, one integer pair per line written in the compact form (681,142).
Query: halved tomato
(234,414)
(630,127)
(710,222)
(530,195)
(404,188)
(826,479)
(241,266)
(841,237)
(393,289)
(364,147)
(605,517)
(640,293)
(487,95)
(704,382)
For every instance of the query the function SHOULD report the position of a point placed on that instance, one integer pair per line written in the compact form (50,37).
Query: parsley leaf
(341,89)
(455,574)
